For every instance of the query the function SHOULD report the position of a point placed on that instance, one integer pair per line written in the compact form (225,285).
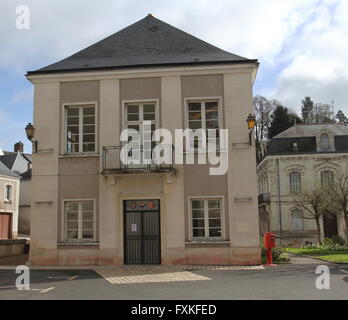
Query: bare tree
(321,113)
(314,200)
(339,197)
(263,111)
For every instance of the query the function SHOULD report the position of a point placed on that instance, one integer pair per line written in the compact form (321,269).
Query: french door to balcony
(141,117)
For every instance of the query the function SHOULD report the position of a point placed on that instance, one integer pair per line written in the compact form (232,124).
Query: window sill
(78,155)
(8,201)
(77,244)
(207,244)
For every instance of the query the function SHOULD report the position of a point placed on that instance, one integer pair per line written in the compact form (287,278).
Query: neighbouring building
(19,163)
(9,201)
(298,157)
(88,207)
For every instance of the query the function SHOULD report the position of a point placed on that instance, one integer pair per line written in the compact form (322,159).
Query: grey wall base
(12,247)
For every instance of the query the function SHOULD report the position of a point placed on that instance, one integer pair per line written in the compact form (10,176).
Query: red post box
(269,240)
(269,243)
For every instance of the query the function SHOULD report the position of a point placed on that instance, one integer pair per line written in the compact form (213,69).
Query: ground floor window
(79,218)
(206,218)
(297,220)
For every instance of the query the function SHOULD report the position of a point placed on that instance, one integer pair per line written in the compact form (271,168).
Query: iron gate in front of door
(142,244)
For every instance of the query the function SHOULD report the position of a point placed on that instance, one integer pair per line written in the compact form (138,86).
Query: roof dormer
(325,141)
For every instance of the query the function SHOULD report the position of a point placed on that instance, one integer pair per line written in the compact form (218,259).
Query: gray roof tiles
(311,130)
(148,42)
(8,159)
(4,171)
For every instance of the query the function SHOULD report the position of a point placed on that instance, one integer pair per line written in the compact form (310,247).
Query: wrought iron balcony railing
(264,198)
(112,162)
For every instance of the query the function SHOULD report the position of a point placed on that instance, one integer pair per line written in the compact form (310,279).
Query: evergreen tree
(306,109)
(341,118)
(282,120)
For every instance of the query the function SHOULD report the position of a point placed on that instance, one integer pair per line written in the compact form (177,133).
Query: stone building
(19,163)
(298,157)
(9,202)
(88,207)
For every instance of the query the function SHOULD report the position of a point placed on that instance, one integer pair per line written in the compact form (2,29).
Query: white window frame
(6,198)
(141,102)
(327,182)
(206,219)
(327,141)
(297,185)
(64,222)
(293,220)
(203,100)
(65,106)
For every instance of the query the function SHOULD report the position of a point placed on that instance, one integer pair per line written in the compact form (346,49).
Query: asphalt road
(280,282)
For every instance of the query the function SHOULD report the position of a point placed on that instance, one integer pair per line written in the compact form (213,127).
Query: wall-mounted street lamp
(30,131)
(251,125)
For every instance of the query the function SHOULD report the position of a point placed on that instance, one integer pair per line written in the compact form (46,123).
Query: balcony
(112,160)
(264,198)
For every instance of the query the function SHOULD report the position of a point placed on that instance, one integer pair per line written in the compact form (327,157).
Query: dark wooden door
(330,225)
(142,232)
(5,225)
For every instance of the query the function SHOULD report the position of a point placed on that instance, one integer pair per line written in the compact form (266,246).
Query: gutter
(136,66)
(279,205)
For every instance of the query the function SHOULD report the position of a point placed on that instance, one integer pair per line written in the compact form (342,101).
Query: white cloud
(308,36)
(318,60)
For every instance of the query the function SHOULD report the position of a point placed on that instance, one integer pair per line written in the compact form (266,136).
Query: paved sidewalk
(296,259)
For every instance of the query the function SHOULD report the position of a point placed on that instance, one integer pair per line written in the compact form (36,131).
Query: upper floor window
(327,178)
(204,115)
(206,218)
(297,220)
(79,219)
(295,182)
(80,128)
(324,142)
(8,193)
(137,113)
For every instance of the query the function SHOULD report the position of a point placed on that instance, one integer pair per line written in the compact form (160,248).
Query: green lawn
(325,254)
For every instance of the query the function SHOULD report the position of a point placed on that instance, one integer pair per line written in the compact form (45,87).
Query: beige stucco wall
(44,213)
(24,207)
(241,177)
(78,179)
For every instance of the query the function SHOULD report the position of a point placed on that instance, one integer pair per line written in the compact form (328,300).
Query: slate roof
(285,145)
(4,171)
(305,130)
(26,175)
(147,43)
(9,159)
(305,138)
(16,162)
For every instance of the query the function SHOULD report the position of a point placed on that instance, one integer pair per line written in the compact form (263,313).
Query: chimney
(19,147)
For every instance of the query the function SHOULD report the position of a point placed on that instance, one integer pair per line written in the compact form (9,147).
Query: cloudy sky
(302,46)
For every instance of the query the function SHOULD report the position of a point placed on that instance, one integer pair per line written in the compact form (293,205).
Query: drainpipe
(279,206)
